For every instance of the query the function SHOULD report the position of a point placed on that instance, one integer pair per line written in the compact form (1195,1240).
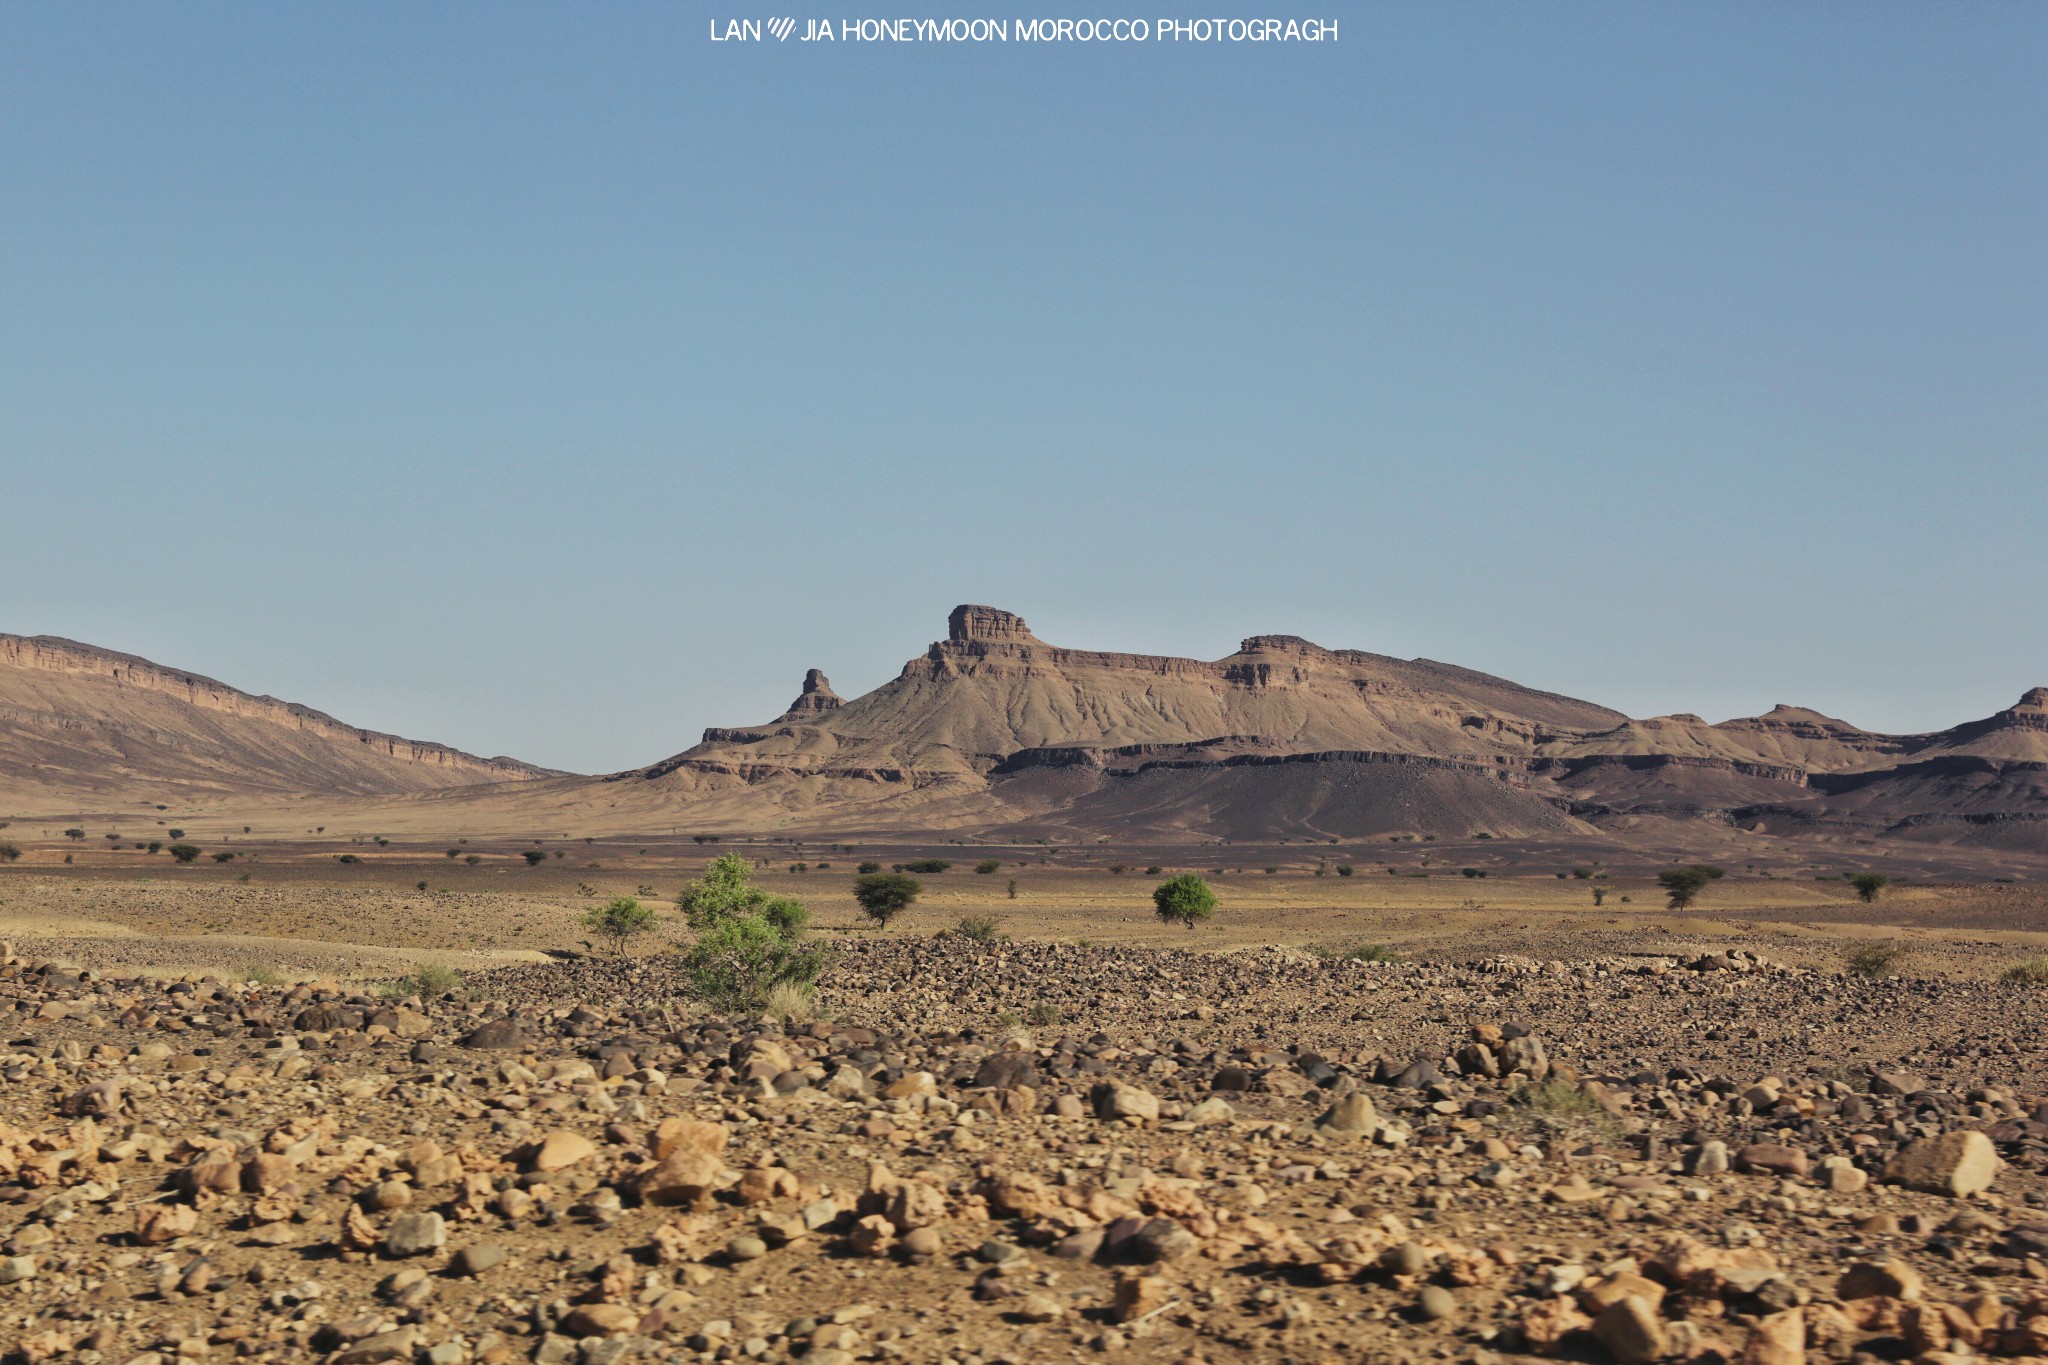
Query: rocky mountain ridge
(78,719)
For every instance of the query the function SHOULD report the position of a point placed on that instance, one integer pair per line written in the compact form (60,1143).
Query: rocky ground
(1030,1152)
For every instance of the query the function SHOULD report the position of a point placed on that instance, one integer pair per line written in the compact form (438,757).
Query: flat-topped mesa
(817,695)
(988,624)
(1290,644)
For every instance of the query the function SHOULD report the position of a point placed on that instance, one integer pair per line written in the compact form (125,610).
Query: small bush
(175,834)
(1042,1014)
(263,976)
(986,866)
(1868,884)
(185,853)
(1118,869)
(80,834)
(534,857)
(1582,873)
(980,928)
(867,869)
(454,853)
(1561,1102)
(8,853)
(794,1000)
(929,867)
(619,921)
(349,858)
(428,980)
(156,845)
(1013,888)
(1872,959)
(473,858)
(223,857)
(2032,971)
(419,886)
(1344,869)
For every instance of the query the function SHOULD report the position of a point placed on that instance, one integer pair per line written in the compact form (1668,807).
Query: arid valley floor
(1516,1125)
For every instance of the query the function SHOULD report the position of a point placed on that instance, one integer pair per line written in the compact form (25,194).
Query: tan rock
(1887,1279)
(1779,1339)
(681,1134)
(1956,1164)
(561,1150)
(156,1224)
(686,1178)
(1137,1295)
(1351,1116)
(1631,1331)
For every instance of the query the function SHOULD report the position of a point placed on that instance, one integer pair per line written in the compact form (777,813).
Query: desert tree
(1868,884)
(885,895)
(1682,885)
(1185,900)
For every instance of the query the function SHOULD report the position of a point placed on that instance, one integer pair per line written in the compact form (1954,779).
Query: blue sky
(550,380)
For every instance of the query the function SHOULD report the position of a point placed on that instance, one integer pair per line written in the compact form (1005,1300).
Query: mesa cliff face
(76,720)
(993,726)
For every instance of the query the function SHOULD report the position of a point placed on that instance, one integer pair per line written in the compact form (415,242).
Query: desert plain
(1403,1115)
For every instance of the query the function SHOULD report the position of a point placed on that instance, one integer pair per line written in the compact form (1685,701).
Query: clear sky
(550,380)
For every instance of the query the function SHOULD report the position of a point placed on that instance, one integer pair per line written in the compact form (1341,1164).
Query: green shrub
(427,980)
(1868,884)
(885,895)
(534,857)
(867,869)
(986,866)
(8,853)
(619,921)
(454,853)
(175,834)
(80,834)
(185,853)
(473,859)
(980,928)
(1185,900)
(223,857)
(348,858)
(742,959)
(794,1000)
(419,886)
(263,976)
(1872,959)
(1561,1102)
(2031,971)
(928,867)
(1042,1014)
(1345,869)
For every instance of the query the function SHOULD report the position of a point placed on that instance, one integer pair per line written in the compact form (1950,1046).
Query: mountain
(992,732)
(82,724)
(995,730)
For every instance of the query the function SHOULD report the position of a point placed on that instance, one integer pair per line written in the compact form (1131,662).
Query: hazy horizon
(556,383)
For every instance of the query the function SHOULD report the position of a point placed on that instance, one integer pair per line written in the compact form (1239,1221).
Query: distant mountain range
(82,723)
(995,732)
